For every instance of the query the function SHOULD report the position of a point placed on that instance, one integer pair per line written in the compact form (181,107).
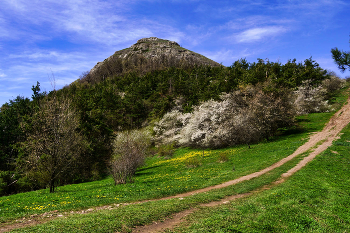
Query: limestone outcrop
(153,48)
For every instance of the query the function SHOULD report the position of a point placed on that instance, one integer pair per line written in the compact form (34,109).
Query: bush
(166,150)
(167,130)
(4,182)
(130,151)
(9,183)
(243,116)
(223,156)
(332,85)
(312,99)
(192,162)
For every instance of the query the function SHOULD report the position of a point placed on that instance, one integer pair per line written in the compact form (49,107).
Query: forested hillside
(69,135)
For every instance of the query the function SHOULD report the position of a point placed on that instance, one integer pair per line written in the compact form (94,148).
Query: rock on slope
(155,48)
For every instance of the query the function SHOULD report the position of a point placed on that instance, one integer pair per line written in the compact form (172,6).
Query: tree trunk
(52,185)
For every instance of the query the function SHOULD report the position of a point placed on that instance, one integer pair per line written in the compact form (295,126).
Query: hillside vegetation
(182,99)
(191,169)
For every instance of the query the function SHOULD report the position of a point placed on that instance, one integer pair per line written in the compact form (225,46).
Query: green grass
(124,218)
(315,199)
(164,177)
(158,178)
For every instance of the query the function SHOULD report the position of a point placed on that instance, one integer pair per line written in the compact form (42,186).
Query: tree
(54,144)
(243,116)
(36,92)
(130,151)
(341,58)
(11,116)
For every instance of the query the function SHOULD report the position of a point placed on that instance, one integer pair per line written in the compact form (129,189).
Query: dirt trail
(320,141)
(328,134)
(324,138)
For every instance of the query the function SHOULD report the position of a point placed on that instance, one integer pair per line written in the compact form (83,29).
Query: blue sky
(44,38)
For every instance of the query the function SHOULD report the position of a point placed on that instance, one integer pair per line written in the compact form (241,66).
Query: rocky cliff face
(155,48)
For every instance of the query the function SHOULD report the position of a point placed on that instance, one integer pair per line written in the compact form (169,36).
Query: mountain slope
(146,55)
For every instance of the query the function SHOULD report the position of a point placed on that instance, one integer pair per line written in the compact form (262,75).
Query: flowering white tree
(309,99)
(243,116)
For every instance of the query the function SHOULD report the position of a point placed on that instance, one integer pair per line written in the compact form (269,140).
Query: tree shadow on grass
(145,171)
(284,133)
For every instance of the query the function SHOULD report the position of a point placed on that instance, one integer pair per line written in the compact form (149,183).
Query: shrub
(167,130)
(310,99)
(192,162)
(9,183)
(332,85)
(166,150)
(130,151)
(4,182)
(223,156)
(242,116)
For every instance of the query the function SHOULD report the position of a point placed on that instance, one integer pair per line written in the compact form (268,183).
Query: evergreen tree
(341,58)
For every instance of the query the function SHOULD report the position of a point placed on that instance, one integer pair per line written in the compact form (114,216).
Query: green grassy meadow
(160,177)
(315,199)
(306,201)
(125,218)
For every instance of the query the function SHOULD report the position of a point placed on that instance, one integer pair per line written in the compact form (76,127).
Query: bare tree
(130,150)
(53,145)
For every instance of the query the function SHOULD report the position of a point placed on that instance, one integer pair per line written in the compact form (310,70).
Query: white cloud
(256,34)
(36,55)
(18,5)
(48,56)
(272,18)
(94,29)
(312,11)
(27,69)
(2,75)
(4,33)
(65,81)
(248,22)
(42,64)
(105,22)
(228,56)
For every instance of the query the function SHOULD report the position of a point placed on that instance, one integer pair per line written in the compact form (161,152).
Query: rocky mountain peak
(154,41)
(156,48)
